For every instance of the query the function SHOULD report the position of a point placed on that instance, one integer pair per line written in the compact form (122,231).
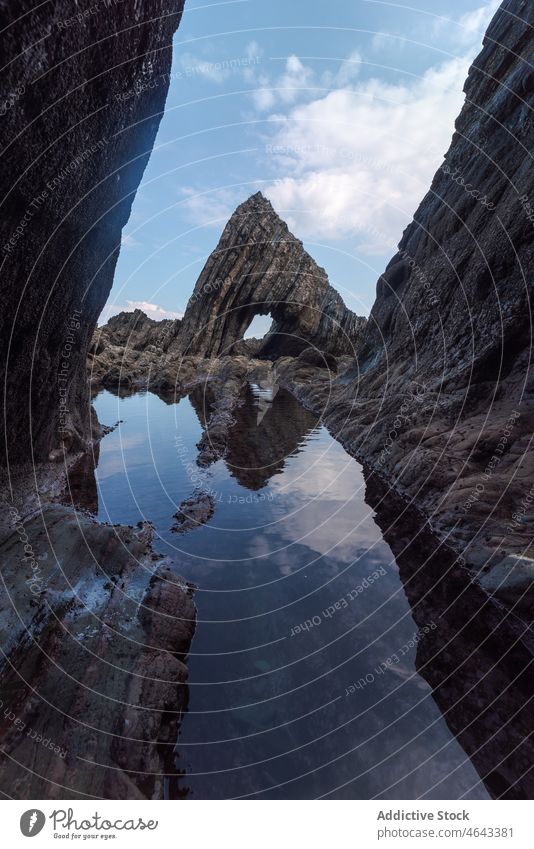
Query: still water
(303,680)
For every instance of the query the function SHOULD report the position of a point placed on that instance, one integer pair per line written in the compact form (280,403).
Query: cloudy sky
(339,111)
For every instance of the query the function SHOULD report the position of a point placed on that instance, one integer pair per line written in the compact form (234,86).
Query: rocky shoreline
(92,715)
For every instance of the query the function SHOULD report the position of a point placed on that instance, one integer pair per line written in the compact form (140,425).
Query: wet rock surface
(94,636)
(194,512)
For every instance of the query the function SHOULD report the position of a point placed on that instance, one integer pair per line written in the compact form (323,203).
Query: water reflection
(337,652)
(269,426)
(479,659)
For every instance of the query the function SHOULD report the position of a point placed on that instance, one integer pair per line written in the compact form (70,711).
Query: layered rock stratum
(260,268)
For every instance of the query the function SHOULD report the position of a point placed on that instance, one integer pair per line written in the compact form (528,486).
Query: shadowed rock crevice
(478,661)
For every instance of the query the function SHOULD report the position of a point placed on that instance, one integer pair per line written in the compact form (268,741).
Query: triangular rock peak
(260,268)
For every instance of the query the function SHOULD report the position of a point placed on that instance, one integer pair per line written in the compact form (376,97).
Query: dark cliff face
(82,98)
(260,268)
(449,340)
(454,302)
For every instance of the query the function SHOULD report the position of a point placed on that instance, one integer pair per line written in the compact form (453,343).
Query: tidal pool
(303,679)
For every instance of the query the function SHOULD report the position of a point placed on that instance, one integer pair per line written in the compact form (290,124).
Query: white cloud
(253,50)
(216,72)
(152,311)
(387,41)
(352,157)
(471,27)
(285,89)
(356,162)
(221,69)
(128,242)
(349,70)
(211,208)
(264,98)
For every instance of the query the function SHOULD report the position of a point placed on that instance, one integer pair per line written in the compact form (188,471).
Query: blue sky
(339,111)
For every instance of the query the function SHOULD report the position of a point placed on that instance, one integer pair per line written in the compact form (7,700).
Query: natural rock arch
(260,268)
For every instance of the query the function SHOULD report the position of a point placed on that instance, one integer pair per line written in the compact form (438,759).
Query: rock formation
(260,268)
(82,97)
(441,397)
(135,330)
(92,677)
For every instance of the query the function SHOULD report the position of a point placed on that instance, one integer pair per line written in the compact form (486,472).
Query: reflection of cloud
(322,489)
(111,459)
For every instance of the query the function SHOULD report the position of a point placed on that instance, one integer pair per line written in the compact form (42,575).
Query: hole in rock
(259,327)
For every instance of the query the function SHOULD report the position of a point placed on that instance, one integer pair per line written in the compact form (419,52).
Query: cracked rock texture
(94,633)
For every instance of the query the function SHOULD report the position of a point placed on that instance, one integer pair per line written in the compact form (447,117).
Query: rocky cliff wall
(82,96)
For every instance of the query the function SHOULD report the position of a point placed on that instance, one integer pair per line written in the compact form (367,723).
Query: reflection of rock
(194,512)
(94,632)
(260,268)
(478,660)
(217,394)
(261,439)
(254,430)
(81,490)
